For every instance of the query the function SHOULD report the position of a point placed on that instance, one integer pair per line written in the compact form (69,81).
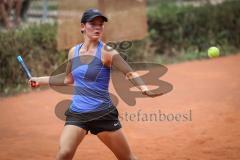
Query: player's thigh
(117,143)
(71,136)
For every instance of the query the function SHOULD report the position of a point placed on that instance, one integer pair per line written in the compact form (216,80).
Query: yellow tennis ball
(213,52)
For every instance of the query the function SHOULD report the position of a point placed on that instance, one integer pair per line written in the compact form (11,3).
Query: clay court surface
(209,88)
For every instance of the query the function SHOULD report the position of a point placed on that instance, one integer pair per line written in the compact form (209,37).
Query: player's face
(94,28)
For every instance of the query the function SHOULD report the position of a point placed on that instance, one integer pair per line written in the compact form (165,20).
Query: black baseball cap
(90,14)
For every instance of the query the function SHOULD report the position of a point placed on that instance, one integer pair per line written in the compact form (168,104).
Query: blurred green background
(179,30)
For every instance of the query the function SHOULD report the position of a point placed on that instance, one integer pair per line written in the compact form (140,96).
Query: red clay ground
(211,89)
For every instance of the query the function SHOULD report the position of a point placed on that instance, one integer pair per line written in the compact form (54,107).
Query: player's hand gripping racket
(26,71)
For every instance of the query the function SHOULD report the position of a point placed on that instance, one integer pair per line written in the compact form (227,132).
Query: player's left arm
(113,58)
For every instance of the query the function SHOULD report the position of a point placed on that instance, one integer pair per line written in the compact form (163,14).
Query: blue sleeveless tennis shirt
(91,82)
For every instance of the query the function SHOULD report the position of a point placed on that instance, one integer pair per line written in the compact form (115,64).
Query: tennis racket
(25,70)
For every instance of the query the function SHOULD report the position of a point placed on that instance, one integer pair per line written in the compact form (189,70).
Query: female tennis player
(91,108)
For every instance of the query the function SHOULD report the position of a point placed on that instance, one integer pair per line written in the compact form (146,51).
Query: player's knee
(129,157)
(133,157)
(65,154)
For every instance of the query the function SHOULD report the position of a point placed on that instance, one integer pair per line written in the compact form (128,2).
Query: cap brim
(104,18)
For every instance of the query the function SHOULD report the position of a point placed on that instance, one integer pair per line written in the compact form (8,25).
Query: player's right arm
(60,79)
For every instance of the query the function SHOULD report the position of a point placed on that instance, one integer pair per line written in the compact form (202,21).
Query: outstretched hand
(151,94)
